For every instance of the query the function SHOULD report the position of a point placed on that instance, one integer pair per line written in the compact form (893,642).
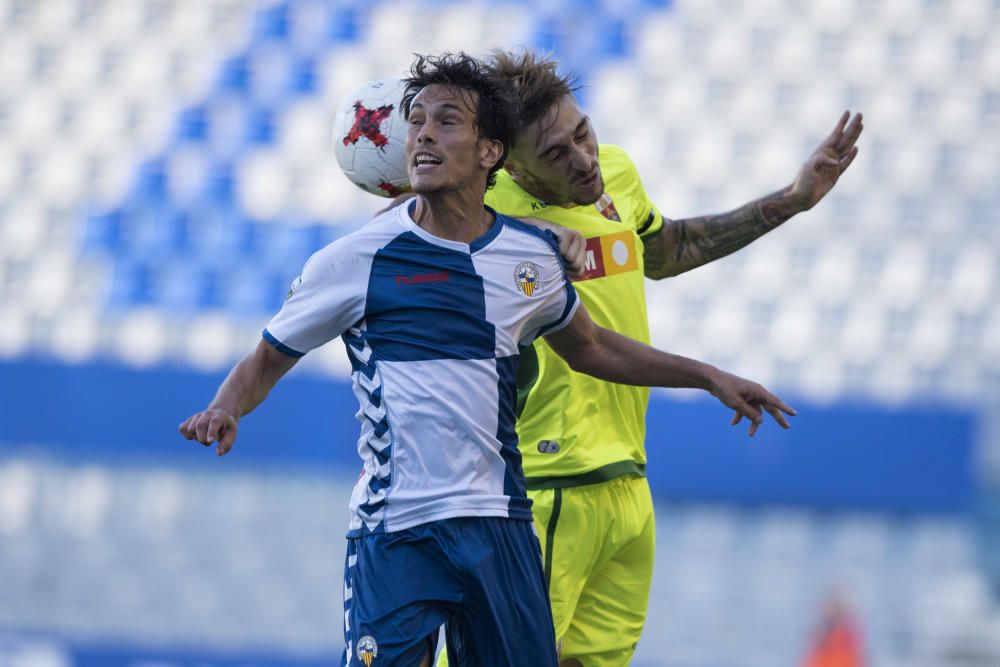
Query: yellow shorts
(598,543)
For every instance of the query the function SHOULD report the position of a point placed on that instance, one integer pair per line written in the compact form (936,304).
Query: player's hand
(819,173)
(572,245)
(212,425)
(749,400)
(573,248)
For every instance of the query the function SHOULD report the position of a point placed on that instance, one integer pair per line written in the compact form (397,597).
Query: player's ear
(490,152)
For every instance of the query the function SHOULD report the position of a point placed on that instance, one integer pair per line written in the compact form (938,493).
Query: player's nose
(425,134)
(582,161)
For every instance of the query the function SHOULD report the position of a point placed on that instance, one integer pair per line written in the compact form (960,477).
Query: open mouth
(589,181)
(423,159)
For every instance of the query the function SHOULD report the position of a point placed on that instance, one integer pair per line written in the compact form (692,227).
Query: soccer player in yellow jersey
(582,440)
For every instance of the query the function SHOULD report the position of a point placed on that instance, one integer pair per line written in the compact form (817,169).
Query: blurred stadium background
(165,168)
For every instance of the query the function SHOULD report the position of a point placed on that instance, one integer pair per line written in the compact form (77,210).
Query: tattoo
(682,245)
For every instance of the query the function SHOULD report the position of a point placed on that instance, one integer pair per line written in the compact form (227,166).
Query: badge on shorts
(548,447)
(367,649)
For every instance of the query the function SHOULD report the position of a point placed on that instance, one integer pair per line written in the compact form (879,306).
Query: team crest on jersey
(367,650)
(526,278)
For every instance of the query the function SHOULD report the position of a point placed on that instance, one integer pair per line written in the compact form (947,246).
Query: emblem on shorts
(526,277)
(548,447)
(367,649)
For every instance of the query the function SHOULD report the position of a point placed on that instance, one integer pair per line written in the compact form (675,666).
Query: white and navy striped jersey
(433,329)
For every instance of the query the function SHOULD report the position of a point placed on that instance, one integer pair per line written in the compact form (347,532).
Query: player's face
(443,148)
(555,158)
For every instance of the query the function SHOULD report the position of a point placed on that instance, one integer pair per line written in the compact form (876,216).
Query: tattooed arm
(682,245)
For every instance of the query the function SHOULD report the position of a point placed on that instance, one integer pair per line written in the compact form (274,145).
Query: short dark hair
(497,112)
(535,79)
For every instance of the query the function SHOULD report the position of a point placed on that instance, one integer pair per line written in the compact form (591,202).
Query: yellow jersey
(575,429)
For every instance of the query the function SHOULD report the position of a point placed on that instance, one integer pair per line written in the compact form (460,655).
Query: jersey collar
(406,217)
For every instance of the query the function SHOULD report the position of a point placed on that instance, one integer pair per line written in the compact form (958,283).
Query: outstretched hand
(819,173)
(750,400)
(212,425)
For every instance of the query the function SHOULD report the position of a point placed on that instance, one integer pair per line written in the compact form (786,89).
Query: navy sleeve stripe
(568,311)
(281,347)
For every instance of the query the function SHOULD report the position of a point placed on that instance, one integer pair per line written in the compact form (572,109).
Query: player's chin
(423,185)
(589,191)
(585,196)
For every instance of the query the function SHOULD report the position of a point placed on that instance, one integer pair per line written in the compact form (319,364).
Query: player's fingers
(200,427)
(575,263)
(747,410)
(216,426)
(851,134)
(572,248)
(580,249)
(185,428)
(846,161)
(737,417)
(226,440)
(838,130)
(769,400)
(778,417)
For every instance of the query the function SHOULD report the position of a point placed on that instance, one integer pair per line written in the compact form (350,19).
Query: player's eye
(582,135)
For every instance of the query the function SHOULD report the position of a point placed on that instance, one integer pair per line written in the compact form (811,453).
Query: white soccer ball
(369,138)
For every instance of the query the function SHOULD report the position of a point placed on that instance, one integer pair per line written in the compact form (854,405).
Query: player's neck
(453,215)
(536,188)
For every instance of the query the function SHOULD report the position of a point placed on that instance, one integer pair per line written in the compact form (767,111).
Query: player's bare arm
(607,355)
(246,387)
(682,245)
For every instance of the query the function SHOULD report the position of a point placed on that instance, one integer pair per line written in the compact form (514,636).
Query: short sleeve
(326,300)
(555,292)
(651,224)
(646,219)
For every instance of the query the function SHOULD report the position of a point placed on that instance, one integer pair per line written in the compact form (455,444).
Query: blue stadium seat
(260,126)
(192,124)
(234,74)
(303,77)
(271,23)
(345,24)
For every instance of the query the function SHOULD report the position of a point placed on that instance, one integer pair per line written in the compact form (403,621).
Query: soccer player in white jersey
(434,301)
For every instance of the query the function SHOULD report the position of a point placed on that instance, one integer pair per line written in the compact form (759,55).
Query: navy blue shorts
(480,577)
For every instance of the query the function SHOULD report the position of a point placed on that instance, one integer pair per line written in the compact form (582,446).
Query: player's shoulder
(615,161)
(361,244)
(540,240)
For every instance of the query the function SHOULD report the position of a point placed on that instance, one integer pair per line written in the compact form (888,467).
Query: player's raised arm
(246,386)
(682,245)
(607,355)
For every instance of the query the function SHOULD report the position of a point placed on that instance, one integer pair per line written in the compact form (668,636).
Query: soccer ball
(369,138)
